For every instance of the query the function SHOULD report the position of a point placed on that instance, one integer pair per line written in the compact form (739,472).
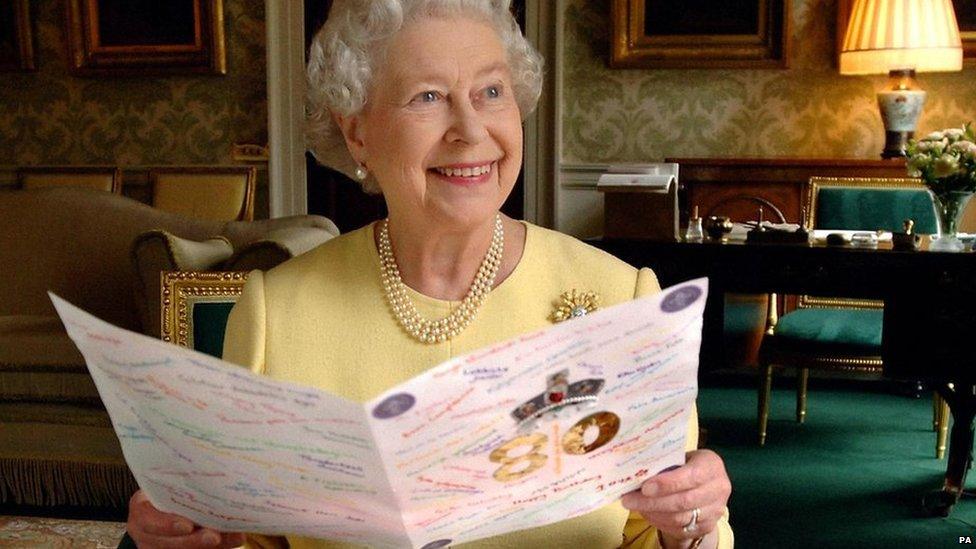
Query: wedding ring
(693,523)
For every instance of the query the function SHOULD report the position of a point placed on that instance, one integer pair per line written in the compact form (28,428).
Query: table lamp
(901,37)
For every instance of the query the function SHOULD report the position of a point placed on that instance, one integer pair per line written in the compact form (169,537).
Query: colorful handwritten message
(537,429)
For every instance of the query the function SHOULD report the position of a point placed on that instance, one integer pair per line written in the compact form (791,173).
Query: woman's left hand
(667,500)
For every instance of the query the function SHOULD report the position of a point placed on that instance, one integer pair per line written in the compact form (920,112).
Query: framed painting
(145,36)
(16,41)
(700,34)
(965,16)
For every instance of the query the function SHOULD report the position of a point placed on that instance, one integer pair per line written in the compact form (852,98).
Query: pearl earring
(361,172)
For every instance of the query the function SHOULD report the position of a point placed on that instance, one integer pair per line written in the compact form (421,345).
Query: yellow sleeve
(258,541)
(244,344)
(637,532)
(244,338)
(647,283)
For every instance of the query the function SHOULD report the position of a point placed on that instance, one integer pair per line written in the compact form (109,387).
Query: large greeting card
(537,429)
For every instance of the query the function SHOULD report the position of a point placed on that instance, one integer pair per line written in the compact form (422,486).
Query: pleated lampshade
(901,34)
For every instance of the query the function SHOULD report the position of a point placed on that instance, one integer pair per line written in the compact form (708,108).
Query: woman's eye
(493,92)
(426,97)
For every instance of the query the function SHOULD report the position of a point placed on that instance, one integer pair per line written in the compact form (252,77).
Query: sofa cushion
(279,246)
(156,251)
(241,233)
(39,363)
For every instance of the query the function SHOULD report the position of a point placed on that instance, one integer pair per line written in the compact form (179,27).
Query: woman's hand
(151,528)
(668,500)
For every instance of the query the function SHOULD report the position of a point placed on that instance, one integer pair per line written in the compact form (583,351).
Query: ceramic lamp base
(900,106)
(896,144)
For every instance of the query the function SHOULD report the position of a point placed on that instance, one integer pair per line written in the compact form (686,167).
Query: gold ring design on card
(574,441)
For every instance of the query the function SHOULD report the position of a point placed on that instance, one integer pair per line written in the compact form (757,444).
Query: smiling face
(441,130)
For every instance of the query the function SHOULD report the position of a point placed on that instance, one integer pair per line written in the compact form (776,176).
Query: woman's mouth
(465,174)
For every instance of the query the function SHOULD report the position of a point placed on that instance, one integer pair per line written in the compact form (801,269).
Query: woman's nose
(467,124)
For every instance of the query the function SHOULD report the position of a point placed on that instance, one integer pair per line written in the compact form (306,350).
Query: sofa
(104,253)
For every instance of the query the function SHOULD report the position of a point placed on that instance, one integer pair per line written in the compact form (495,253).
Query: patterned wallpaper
(51,117)
(807,110)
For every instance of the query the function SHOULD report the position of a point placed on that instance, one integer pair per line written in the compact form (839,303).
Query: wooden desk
(729,186)
(930,300)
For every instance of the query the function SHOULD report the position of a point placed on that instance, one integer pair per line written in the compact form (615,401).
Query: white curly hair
(347,50)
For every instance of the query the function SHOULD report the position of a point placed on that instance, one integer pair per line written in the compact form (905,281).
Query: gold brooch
(575,304)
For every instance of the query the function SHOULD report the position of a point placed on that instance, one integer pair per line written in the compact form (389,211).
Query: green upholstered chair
(195,306)
(835,333)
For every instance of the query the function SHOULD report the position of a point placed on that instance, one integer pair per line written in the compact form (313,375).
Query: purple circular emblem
(394,405)
(437,544)
(679,298)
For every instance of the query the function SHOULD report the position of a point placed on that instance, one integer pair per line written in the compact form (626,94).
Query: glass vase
(949,206)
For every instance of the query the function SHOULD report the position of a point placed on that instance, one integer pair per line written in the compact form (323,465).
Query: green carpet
(852,476)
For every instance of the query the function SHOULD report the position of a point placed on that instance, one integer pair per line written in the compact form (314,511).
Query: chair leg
(765,386)
(942,426)
(801,394)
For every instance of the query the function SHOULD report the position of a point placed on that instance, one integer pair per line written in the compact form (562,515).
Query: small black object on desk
(718,227)
(836,239)
(765,235)
(907,240)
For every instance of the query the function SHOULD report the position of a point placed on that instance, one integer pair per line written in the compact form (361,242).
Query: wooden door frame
(540,163)
(285,54)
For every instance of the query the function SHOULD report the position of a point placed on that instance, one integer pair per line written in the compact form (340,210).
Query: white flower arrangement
(945,160)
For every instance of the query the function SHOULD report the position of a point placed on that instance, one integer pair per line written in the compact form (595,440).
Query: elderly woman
(428,97)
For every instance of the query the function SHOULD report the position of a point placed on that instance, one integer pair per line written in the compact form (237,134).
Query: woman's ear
(352,131)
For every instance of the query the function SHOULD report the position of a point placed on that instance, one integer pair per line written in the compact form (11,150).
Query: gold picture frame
(181,290)
(16,38)
(965,16)
(644,36)
(115,37)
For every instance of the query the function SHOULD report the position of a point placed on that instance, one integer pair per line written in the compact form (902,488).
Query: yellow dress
(321,320)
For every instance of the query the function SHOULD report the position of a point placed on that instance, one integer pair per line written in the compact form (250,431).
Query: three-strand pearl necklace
(404,311)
